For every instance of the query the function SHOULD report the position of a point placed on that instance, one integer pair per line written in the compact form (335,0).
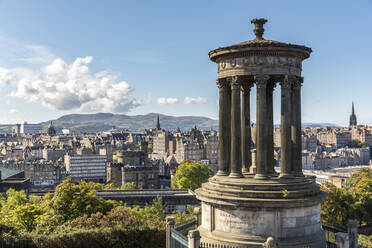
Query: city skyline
(128,58)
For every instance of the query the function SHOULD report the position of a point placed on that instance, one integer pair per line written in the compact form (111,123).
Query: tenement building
(242,207)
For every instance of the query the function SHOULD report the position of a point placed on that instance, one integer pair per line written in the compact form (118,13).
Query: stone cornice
(259,48)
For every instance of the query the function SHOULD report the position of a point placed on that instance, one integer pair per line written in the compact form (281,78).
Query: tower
(51,130)
(157,123)
(248,208)
(353,119)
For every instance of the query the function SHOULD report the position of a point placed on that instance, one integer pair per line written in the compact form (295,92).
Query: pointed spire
(158,123)
(353,119)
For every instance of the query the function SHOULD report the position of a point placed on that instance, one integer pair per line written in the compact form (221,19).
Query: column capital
(222,83)
(288,81)
(246,87)
(298,82)
(261,80)
(236,82)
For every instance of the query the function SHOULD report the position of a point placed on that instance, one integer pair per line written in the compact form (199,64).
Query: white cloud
(34,54)
(62,86)
(16,53)
(13,111)
(5,76)
(169,100)
(197,100)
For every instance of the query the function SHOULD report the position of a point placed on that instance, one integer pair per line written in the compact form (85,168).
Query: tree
(20,211)
(357,144)
(70,201)
(335,211)
(190,175)
(128,186)
(359,186)
(354,201)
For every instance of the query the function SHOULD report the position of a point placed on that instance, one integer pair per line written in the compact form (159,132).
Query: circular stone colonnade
(250,206)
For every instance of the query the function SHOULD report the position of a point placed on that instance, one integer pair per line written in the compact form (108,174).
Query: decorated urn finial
(258,27)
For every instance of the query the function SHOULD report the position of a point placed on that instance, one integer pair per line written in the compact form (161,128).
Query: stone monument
(265,208)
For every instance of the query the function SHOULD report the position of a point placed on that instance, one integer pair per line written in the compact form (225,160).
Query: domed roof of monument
(259,44)
(51,130)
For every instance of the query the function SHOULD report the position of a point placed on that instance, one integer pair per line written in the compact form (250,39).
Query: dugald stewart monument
(251,205)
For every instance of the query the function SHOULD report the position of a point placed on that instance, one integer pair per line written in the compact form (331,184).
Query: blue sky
(136,57)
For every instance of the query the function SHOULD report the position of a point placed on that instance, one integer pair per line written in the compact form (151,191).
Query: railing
(185,227)
(207,245)
(178,240)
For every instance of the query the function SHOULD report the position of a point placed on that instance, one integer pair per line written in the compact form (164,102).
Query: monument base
(245,212)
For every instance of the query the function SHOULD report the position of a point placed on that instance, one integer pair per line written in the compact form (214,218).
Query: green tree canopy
(190,175)
(70,201)
(354,201)
(357,144)
(19,211)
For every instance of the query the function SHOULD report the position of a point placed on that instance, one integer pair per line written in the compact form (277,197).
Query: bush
(75,217)
(365,241)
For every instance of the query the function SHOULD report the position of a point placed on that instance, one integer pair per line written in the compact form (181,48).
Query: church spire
(157,123)
(353,119)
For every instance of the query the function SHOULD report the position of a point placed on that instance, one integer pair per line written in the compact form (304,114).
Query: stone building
(309,142)
(277,137)
(362,133)
(211,146)
(133,167)
(53,154)
(160,146)
(172,146)
(189,149)
(143,176)
(334,136)
(38,172)
(247,208)
(86,167)
(131,157)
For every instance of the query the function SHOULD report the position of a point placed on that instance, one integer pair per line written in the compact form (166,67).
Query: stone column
(270,128)
(296,128)
(229,127)
(261,127)
(236,152)
(285,128)
(246,128)
(224,129)
(352,230)
(197,215)
(169,225)
(194,238)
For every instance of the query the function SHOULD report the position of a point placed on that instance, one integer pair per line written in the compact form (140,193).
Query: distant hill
(105,121)
(313,125)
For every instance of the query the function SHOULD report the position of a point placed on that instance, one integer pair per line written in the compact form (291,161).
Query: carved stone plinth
(245,212)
